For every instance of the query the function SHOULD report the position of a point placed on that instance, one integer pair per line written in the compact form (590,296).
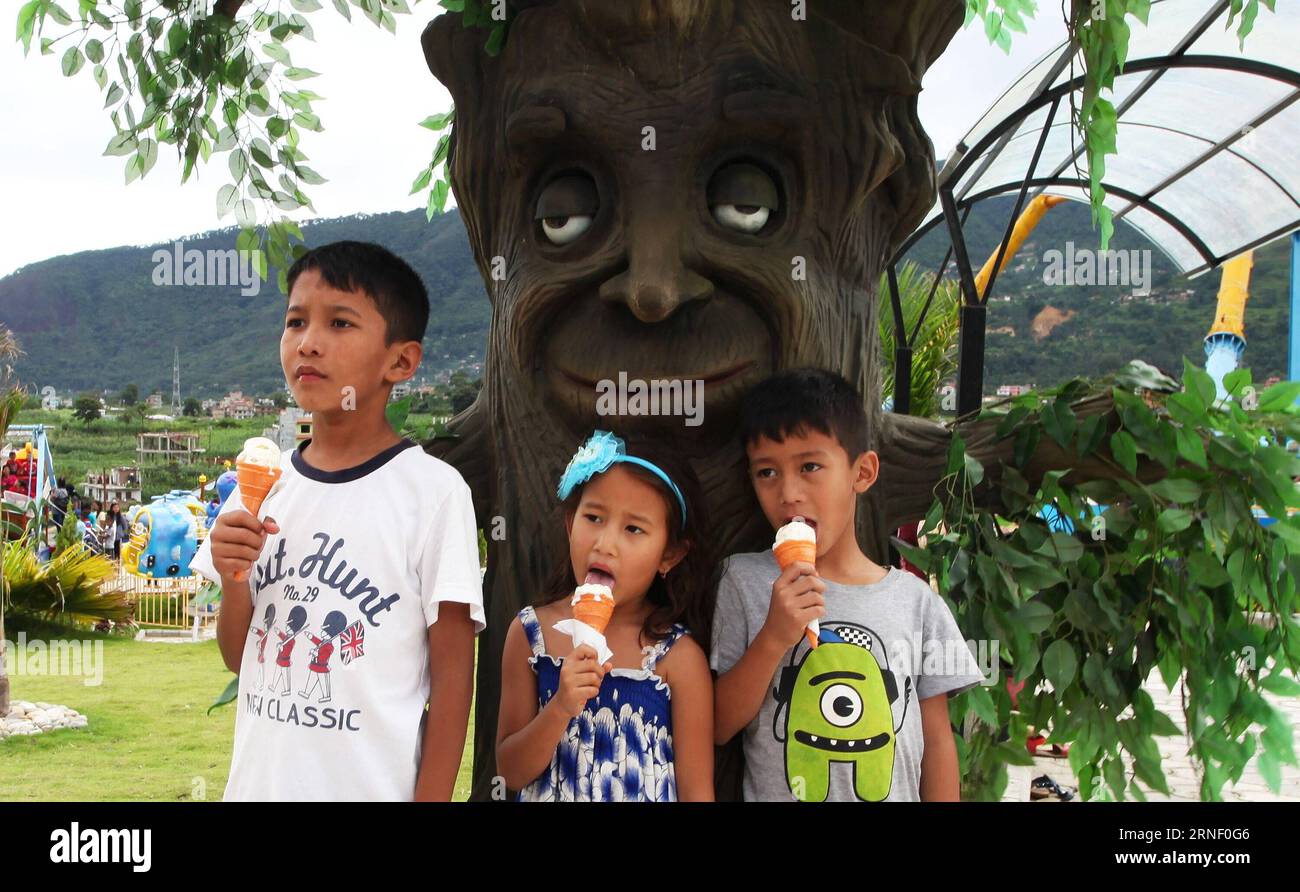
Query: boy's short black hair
(795,400)
(389,280)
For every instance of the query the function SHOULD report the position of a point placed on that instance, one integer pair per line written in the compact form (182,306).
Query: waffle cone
(795,550)
(255,481)
(595,612)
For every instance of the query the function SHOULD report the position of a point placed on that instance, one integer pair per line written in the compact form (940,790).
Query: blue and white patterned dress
(620,747)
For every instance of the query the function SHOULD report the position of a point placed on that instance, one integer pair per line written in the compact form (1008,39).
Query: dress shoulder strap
(533,629)
(657,651)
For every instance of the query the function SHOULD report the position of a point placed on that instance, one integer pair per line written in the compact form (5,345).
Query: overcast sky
(61,195)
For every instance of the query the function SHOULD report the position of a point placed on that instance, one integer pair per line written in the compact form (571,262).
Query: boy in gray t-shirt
(864,714)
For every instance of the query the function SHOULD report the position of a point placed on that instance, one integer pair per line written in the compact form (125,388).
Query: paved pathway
(1184,782)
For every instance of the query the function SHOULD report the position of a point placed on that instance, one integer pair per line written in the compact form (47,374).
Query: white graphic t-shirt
(335,673)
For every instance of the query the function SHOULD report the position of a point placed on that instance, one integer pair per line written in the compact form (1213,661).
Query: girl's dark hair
(688,593)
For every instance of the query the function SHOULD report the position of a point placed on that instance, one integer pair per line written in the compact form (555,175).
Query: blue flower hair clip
(600,453)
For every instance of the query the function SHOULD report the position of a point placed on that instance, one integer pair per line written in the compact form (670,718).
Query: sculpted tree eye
(742,197)
(567,207)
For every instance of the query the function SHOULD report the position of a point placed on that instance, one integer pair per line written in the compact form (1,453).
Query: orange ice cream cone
(795,550)
(593,610)
(796,541)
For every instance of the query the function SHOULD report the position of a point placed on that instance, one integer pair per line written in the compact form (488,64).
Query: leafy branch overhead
(211,78)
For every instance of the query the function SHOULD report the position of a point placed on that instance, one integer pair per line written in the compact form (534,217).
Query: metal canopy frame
(956,204)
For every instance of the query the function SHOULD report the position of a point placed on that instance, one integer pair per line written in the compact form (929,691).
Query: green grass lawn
(149,738)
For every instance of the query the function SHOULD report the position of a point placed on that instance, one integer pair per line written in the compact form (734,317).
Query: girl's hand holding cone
(580,677)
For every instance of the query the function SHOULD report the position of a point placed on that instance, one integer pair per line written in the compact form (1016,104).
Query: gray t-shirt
(842,722)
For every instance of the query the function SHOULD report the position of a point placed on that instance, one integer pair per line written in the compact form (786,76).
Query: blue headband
(598,455)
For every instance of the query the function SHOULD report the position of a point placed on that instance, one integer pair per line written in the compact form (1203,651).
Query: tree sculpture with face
(678,189)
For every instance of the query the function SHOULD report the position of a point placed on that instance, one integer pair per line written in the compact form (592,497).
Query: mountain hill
(95,320)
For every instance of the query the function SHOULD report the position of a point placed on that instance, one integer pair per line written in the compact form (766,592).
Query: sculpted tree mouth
(712,378)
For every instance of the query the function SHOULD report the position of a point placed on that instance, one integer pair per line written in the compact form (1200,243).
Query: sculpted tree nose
(656,282)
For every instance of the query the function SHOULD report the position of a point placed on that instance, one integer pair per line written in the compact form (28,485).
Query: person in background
(117,530)
(9,475)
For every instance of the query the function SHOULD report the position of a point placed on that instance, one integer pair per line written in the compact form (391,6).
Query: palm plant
(66,589)
(934,347)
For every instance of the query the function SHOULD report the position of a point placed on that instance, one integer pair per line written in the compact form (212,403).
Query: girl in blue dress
(638,727)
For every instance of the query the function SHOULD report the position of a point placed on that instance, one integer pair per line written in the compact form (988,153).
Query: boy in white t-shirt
(363,568)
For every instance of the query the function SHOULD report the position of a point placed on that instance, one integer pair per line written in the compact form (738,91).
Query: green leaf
(1277,682)
(1061,546)
(437,122)
(95,51)
(1034,617)
(27,23)
(1280,396)
(1191,447)
(1174,520)
(1060,665)
(148,155)
(422,180)
(177,36)
(227,195)
(226,696)
(437,198)
(121,144)
(342,7)
(1177,489)
(1199,383)
(397,412)
(1124,449)
(72,61)
(58,13)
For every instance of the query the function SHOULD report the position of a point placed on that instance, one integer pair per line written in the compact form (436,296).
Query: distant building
(115,485)
(166,446)
(1013,389)
(401,389)
(207,405)
(154,400)
(292,427)
(235,405)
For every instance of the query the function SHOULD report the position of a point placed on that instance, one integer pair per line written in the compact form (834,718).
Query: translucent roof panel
(1210,142)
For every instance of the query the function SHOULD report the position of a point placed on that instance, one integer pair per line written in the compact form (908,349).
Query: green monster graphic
(838,704)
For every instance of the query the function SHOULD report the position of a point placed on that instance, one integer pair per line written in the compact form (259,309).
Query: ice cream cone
(797,541)
(593,605)
(795,550)
(255,481)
